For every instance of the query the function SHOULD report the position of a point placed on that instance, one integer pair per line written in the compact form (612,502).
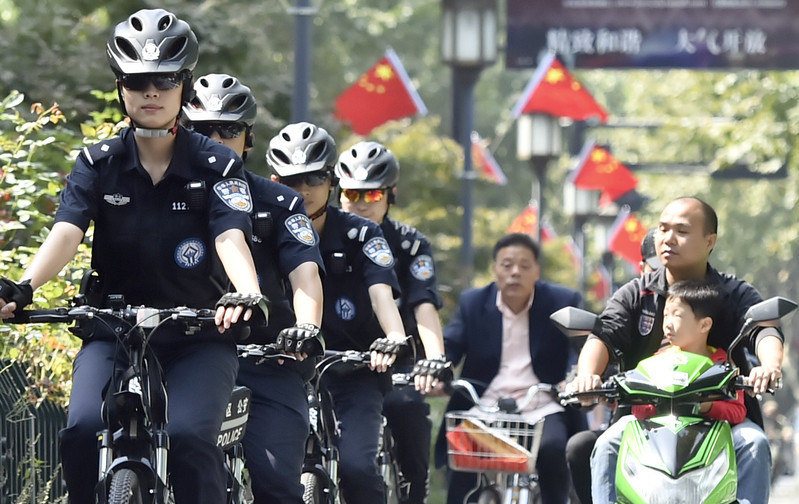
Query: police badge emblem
(422,267)
(345,308)
(189,253)
(150,51)
(300,227)
(378,251)
(235,193)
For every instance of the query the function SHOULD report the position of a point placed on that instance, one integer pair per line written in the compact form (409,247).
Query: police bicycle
(320,476)
(498,444)
(134,445)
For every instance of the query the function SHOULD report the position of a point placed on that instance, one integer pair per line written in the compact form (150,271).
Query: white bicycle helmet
(367,165)
(301,148)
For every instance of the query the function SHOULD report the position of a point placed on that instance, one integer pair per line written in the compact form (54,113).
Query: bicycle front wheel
(489,495)
(314,492)
(125,488)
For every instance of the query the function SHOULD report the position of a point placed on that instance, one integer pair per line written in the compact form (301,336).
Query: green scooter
(675,456)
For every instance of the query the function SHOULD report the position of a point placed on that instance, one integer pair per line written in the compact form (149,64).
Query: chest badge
(189,253)
(345,308)
(646,322)
(116,199)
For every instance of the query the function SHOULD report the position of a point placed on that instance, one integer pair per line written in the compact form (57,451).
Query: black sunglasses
(313,179)
(161,81)
(226,130)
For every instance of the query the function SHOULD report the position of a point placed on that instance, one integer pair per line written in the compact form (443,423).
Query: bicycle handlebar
(504,404)
(146,316)
(267,351)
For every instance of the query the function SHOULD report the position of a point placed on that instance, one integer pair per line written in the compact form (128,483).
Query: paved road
(785,490)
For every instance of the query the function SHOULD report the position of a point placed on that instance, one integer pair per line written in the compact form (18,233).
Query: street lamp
(468,44)
(303,11)
(580,204)
(539,139)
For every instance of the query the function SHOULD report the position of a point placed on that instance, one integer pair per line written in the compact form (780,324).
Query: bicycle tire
(314,491)
(390,481)
(125,488)
(489,495)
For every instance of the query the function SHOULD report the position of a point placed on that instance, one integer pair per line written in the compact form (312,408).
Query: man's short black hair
(702,296)
(521,239)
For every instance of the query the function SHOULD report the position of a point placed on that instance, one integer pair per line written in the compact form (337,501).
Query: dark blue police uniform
(274,442)
(155,247)
(405,409)
(356,257)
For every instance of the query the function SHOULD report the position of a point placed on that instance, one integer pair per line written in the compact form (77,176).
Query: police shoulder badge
(378,251)
(300,227)
(235,193)
(422,267)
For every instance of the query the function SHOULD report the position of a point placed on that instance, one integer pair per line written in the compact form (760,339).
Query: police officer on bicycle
(286,252)
(158,247)
(368,174)
(360,312)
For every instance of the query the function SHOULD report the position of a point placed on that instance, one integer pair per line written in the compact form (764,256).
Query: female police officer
(359,309)
(286,253)
(158,247)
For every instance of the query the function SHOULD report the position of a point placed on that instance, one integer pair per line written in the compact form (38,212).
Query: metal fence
(29,461)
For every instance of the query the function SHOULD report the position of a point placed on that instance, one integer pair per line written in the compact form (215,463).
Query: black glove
(258,302)
(20,293)
(439,368)
(302,338)
(388,346)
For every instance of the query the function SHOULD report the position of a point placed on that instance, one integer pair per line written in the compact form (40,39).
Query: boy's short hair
(702,296)
(514,239)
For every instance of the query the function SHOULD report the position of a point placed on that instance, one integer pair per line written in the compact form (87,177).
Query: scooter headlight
(656,487)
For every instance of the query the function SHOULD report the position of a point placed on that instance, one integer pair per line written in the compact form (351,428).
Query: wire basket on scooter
(483,442)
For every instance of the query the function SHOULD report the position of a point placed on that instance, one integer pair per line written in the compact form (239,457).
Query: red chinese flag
(382,94)
(602,283)
(484,162)
(526,222)
(597,169)
(547,232)
(626,236)
(553,90)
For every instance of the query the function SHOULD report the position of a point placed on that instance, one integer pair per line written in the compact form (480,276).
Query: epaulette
(94,153)
(358,233)
(277,194)
(219,162)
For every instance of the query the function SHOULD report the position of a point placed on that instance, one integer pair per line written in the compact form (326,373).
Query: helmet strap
(155,133)
(322,210)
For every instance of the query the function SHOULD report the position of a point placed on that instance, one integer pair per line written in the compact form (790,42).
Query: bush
(37,150)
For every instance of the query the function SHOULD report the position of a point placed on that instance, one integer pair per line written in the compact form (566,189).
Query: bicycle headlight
(656,487)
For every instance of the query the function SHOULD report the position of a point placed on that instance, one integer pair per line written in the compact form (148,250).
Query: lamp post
(539,139)
(300,98)
(580,205)
(468,44)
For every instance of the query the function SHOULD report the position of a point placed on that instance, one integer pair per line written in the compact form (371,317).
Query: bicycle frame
(321,460)
(133,447)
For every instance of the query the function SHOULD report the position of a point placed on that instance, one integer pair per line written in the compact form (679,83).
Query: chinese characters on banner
(655,33)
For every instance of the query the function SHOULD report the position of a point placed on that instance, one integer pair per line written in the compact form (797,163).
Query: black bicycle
(320,476)
(134,446)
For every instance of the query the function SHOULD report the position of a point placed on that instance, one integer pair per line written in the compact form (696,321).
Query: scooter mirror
(574,322)
(769,312)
